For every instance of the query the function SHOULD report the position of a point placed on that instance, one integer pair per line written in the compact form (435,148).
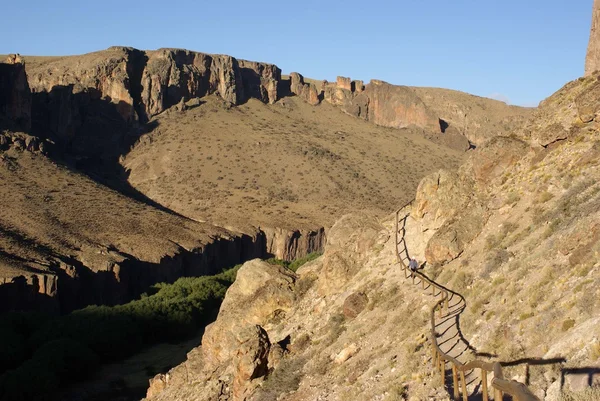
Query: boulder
(260,293)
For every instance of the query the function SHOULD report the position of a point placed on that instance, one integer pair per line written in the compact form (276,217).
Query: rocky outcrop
(15,95)
(293,244)
(592,61)
(21,141)
(260,80)
(243,343)
(91,103)
(308,92)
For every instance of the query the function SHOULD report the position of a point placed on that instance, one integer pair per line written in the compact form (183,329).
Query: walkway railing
(500,385)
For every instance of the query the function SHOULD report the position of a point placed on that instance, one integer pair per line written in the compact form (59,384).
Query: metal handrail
(517,390)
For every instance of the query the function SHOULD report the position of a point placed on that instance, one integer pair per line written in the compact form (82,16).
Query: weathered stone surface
(439,196)
(587,103)
(450,240)
(251,358)
(398,107)
(495,157)
(348,243)
(592,61)
(261,291)
(308,92)
(292,244)
(358,86)
(344,83)
(260,80)
(15,95)
(354,304)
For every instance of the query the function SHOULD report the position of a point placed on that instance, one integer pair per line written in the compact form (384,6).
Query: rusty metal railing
(500,385)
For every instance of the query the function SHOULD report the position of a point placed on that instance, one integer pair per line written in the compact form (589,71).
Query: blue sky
(520,50)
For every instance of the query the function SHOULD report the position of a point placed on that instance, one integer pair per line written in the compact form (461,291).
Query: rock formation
(15,95)
(592,61)
(74,95)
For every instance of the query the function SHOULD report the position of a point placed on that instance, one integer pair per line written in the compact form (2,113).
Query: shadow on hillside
(90,134)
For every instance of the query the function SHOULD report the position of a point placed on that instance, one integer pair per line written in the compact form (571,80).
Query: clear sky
(518,50)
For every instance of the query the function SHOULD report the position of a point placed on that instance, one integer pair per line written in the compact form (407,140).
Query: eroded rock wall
(15,95)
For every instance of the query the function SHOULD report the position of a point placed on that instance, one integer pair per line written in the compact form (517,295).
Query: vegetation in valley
(40,354)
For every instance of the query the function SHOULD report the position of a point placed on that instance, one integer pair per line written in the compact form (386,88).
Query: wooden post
(484,384)
(446,304)
(464,385)
(498,395)
(454,382)
(412,273)
(422,283)
(443,372)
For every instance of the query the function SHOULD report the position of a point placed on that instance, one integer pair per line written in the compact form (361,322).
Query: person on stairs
(413,265)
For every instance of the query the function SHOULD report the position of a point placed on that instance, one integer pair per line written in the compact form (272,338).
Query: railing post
(464,385)
(484,384)
(412,273)
(498,395)
(455,382)
(446,304)
(422,283)
(443,371)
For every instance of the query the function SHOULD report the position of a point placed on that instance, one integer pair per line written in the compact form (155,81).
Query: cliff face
(447,117)
(15,95)
(91,103)
(592,61)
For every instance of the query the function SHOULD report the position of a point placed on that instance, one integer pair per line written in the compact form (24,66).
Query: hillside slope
(288,165)
(514,232)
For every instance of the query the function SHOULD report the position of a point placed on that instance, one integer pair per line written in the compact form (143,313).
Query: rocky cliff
(15,95)
(93,104)
(454,119)
(592,61)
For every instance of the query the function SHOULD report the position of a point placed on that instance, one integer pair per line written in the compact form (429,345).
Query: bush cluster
(41,354)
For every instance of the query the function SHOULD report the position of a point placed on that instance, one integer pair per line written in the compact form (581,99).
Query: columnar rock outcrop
(592,61)
(15,95)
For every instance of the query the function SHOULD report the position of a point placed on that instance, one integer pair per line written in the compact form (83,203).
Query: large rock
(308,92)
(15,95)
(592,61)
(261,293)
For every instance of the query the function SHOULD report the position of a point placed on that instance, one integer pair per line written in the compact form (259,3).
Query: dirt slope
(284,165)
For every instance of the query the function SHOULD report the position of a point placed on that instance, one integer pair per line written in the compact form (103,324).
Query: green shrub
(67,348)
